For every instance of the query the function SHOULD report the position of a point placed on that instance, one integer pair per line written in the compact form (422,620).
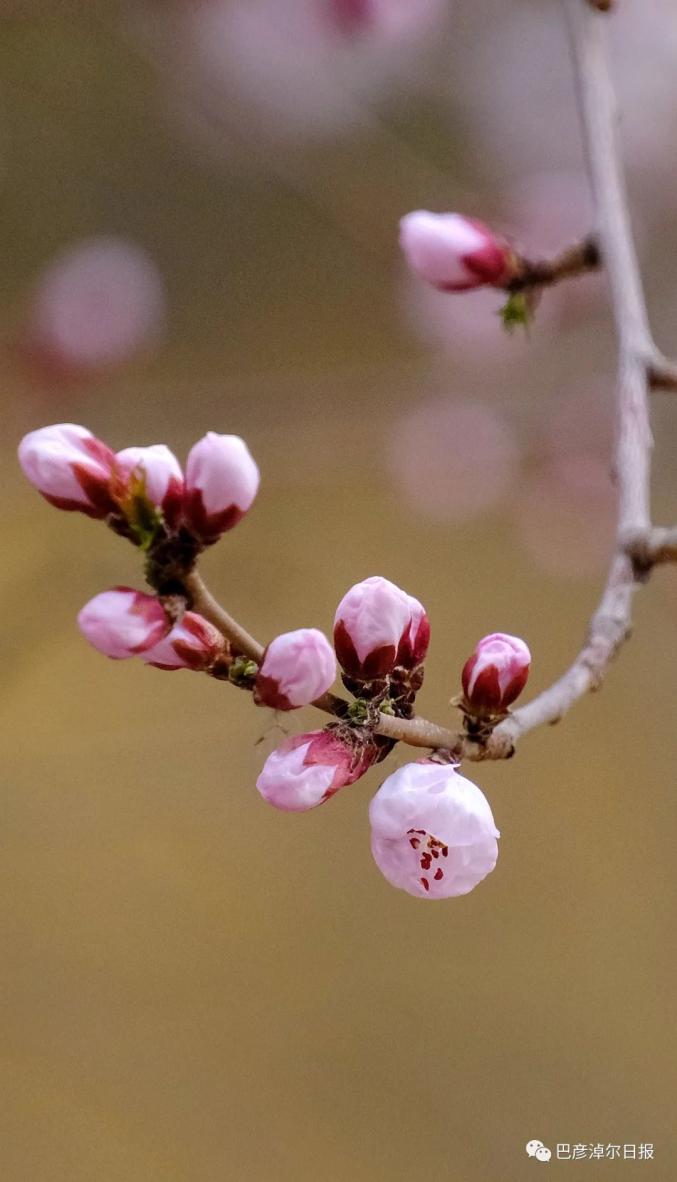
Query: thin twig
(574,260)
(204,602)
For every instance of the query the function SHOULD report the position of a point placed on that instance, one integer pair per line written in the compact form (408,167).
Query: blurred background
(200,202)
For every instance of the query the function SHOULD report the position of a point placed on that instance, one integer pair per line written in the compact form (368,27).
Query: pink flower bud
(70,467)
(377,627)
(432,831)
(496,673)
(157,471)
(297,668)
(222,480)
(453,252)
(192,644)
(307,769)
(123,622)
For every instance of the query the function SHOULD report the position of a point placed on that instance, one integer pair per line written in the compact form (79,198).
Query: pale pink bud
(157,471)
(70,467)
(193,643)
(222,480)
(432,831)
(496,673)
(453,252)
(123,622)
(377,627)
(307,769)
(297,668)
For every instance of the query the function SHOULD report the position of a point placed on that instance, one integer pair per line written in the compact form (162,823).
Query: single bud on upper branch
(70,467)
(123,623)
(495,674)
(153,473)
(432,831)
(455,253)
(378,627)
(307,769)
(193,643)
(222,480)
(297,668)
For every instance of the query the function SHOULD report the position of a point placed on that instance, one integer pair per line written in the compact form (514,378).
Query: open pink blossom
(377,627)
(496,673)
(222,480)
(432,831)
(453,252)
(193,643)
(297,668)
(70,467)
(123,623)
(157,472)
(307,769)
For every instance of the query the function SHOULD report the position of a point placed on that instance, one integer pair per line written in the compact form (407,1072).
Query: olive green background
(194,986)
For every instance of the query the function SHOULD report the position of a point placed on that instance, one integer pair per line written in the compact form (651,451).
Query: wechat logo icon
(538,1150)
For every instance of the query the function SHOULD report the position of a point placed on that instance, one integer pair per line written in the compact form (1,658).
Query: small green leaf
(517,311)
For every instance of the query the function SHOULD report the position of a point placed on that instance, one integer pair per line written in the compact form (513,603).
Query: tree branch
(611,624)
(640,366)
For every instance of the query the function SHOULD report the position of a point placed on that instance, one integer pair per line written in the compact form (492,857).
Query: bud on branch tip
(193,643)
(123,623)
(222,480)
(495,674)
(377,627)
(297,667)
(307,769)
(70,467)
(455,253)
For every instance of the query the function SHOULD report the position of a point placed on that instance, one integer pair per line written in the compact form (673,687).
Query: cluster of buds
(143,494)
(433,832)
(381,638)
(141,490)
